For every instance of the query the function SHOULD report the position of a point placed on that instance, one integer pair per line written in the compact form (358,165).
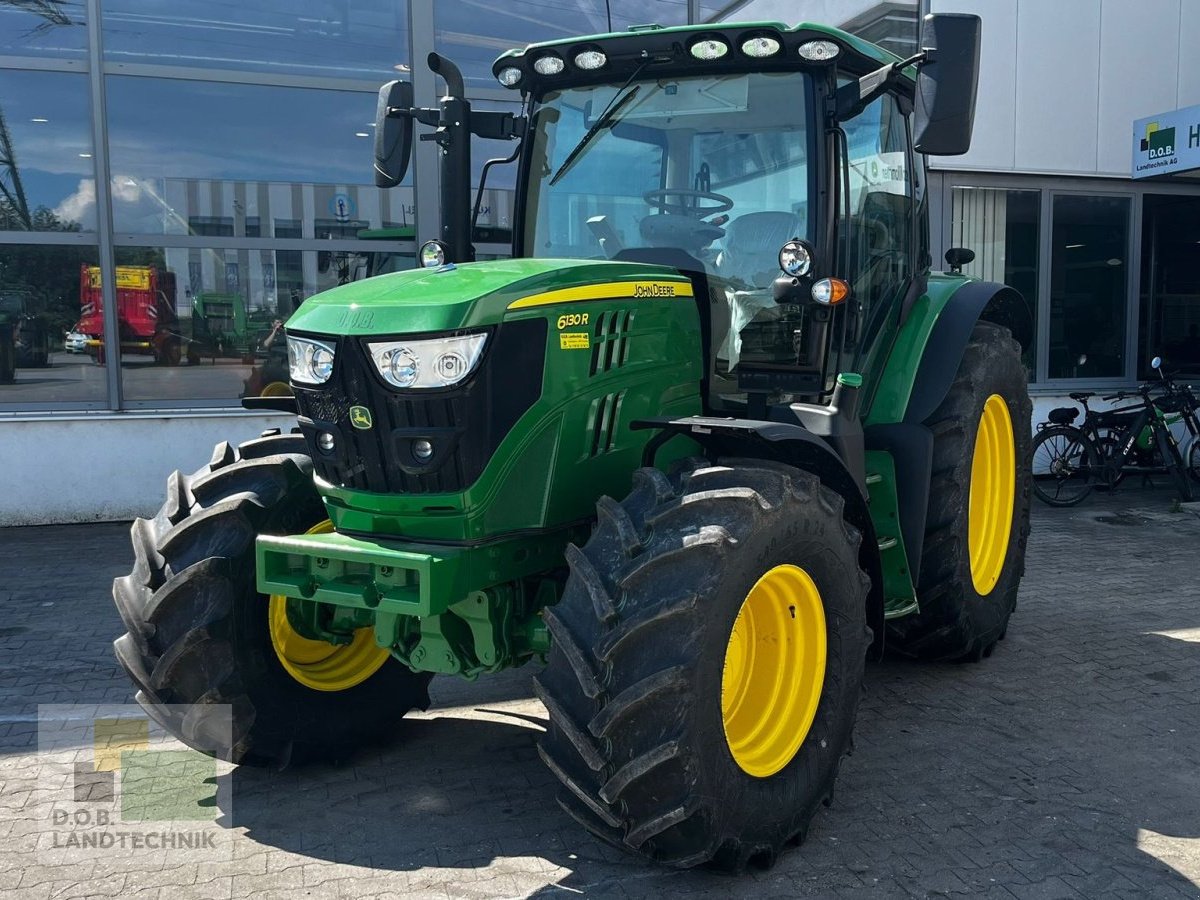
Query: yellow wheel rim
(993,486)
(277,389)
(317,664)
(774,671)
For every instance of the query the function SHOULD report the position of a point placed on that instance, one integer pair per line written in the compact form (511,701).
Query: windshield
(714,167)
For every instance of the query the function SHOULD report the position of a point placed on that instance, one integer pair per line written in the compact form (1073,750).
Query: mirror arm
(497,126)
(854,97)
(424,116)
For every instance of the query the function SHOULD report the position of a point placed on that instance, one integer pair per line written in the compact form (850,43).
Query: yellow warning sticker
(573,340)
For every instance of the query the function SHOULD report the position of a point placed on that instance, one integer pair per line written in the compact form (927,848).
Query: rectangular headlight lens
(309,361)
(431,363)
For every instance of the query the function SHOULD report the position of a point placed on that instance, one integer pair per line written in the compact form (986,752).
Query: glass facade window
(215,333)
(1001,226)
(46,169)
(46,356)
(49,28)
(474,32)
(240,150)
(331,38)
(1089,273)
(192,157)
(1170,301)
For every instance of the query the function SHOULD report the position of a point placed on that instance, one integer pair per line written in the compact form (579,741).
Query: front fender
(795,446)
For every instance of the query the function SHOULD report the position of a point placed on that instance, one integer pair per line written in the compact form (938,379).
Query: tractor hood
(463,296)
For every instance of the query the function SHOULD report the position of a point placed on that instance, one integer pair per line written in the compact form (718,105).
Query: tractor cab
(774,166)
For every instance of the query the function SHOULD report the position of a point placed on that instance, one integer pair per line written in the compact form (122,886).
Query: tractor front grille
(464,424)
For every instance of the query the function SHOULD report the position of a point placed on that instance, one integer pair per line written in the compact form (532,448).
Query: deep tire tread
(196,632)
(634,616)
(954,622)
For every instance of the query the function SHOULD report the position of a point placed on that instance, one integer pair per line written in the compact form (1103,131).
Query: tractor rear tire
(956,621)
(637,670)
(198,630)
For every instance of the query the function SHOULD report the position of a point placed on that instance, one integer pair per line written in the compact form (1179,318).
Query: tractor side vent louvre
(603,427)
(610,344)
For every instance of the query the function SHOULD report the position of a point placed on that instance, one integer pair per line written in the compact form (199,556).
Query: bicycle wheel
(1193,460)
(1174,462)
(1065,465)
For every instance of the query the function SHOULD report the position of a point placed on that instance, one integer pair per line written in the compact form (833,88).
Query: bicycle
(1070,461)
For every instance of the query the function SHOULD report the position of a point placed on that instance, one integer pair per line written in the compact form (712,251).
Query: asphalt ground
(1066,765)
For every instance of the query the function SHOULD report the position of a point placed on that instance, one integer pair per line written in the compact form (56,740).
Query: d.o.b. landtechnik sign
(1167,144)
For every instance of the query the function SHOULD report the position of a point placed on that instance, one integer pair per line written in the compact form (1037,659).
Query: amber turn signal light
(830,291)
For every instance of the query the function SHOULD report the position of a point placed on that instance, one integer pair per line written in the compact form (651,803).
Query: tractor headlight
(795,258)
(309,361)
(433,255)
(432,363)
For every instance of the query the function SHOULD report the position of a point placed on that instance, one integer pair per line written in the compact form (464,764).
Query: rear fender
(919,373)
(794,446)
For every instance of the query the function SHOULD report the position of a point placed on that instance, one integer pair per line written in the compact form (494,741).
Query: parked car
(75,342)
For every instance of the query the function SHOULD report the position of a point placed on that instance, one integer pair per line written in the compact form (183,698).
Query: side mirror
(1156,363)
(393,133)
(957,257)
(946,83)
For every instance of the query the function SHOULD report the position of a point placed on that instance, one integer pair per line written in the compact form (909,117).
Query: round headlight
(550,64)
(403,367)
(819,51)
(590,59)
(760,46)
(450,366)
(322,363)
(795,258)
(433,254)
(509,76)
(709,48)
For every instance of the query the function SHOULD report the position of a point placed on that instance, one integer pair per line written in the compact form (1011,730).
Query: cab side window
(878,234)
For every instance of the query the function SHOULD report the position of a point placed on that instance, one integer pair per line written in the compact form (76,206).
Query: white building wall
(1086,69)
(108,467)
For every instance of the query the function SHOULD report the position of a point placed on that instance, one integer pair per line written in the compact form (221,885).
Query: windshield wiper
(606,118)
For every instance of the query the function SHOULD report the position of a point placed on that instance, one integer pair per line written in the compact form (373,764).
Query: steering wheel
(658,200)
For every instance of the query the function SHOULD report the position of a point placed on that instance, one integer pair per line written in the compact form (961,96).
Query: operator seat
(752,242)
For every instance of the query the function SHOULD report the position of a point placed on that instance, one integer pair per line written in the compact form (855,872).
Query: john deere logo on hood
(360,417)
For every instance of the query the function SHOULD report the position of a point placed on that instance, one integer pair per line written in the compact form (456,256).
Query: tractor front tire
(970,571)
(706,663)
(199,633)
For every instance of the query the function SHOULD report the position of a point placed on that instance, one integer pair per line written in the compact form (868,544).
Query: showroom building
(216,158)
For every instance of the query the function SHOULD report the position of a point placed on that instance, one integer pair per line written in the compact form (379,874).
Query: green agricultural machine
(714,435)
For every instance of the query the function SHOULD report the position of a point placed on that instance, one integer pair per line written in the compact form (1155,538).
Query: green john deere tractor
(709,438)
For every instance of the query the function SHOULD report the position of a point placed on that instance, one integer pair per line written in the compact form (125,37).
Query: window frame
(941,182)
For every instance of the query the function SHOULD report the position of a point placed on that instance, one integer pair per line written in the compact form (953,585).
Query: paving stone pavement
(1067,765)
